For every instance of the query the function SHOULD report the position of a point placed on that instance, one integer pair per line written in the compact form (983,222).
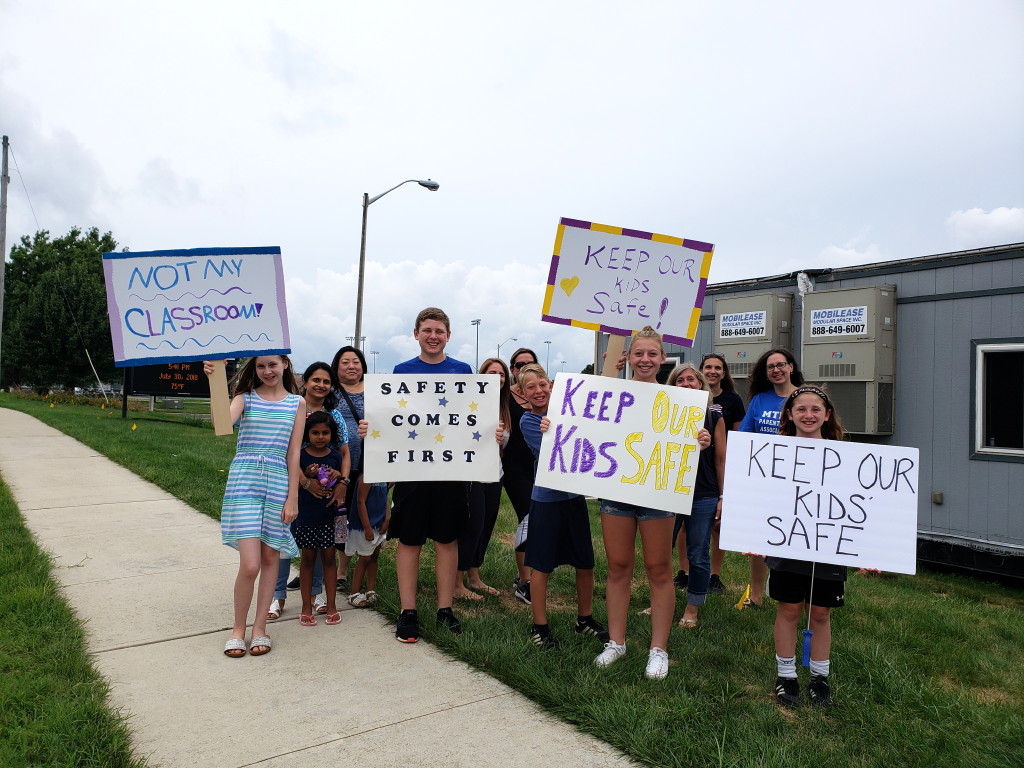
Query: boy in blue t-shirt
(428,510)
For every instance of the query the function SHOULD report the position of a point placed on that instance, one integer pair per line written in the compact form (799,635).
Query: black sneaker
(541,635)
(522,591)
(586,625)
(787,691)
(715,585)
(819,691)
(447,617)
(408,629)
(293,584)
(342,586)
(681,580)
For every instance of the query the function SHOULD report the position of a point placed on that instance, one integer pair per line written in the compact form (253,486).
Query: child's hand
(289,512)
(703,438)
(545,424)
(208,367)
(313,470)
(384,526)
(499,433)
(368,534)
(364,428)
(333,474)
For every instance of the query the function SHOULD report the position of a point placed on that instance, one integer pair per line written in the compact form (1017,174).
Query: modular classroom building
(925,352)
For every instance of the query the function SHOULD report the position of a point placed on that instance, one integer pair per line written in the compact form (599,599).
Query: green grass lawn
(926,668)
(52,708)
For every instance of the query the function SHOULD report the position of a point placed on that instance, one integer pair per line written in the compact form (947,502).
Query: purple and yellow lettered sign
(195,304)
(623,440)
(618,280)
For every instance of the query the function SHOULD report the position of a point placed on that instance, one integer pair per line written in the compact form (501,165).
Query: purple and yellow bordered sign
(618,280)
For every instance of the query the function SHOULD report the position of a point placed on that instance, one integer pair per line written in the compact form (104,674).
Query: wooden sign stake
(612,355)
(220,404)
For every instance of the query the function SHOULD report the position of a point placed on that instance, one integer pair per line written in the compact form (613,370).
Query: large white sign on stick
(431,427)
(623,441)
(196,304)
(618,280)
(821,501)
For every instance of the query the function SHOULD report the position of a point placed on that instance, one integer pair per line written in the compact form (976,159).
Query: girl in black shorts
(807,412)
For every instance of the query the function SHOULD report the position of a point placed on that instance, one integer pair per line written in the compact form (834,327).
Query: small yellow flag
(134,427)
(746,594)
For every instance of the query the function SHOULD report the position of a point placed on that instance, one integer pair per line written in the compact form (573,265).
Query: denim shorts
(624,509)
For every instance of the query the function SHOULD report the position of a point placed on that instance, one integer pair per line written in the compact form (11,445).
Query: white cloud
(836,256)
(977,228)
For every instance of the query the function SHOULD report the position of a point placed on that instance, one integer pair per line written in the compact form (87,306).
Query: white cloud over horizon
(978,228)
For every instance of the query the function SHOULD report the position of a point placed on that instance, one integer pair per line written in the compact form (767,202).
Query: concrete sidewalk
(152,581)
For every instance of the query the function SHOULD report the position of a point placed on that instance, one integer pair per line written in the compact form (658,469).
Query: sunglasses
(521,364)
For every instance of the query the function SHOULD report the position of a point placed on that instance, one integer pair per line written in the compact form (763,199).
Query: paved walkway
(152,581)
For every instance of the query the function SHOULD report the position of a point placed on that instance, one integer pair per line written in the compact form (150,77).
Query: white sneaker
(612,652)
(320,603)
(657,664)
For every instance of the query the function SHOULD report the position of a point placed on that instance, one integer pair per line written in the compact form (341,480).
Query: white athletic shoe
(612,652)
(657,664)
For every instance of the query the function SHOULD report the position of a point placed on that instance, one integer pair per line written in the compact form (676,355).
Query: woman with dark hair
(484,500)
(723,393)
(517,468)
(772,379)
(349,366)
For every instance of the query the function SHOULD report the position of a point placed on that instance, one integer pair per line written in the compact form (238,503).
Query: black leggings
(484,499)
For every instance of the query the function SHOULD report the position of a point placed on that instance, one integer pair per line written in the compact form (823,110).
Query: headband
(809,390)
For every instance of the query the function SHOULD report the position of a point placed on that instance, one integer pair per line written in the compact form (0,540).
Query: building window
(999,399)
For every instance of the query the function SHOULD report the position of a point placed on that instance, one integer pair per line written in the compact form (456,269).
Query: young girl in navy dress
(367,529)
(313,529)
(796,584)
(261,497)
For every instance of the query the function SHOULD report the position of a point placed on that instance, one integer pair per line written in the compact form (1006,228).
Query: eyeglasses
(776,366)
(522,364)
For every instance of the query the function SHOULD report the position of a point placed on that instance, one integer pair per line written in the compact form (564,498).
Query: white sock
(819,667)
(787,667)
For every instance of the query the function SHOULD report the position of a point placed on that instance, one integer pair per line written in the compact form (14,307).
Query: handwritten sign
(198,304)
(623,441)
(618,280)
(821,501)
(431,427)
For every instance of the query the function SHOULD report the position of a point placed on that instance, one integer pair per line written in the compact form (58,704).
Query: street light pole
(547,363)
(367,202)
(477,324)
(374,353)
(506,341)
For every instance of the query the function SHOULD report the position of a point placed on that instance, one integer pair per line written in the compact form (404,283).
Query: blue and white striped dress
(258,479)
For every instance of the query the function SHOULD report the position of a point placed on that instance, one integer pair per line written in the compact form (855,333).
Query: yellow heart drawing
(569,285)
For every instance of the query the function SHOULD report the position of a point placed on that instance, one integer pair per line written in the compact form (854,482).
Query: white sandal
(357,600)
(275,611)
(371,598)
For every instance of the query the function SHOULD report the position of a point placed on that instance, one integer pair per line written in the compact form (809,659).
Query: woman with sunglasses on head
(772,379)
(517,465)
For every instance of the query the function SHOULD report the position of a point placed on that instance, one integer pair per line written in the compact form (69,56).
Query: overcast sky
(792,135)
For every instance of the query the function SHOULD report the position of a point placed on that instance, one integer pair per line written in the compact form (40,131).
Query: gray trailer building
(925,352)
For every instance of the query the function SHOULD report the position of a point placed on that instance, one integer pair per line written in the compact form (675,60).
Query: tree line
(55,307)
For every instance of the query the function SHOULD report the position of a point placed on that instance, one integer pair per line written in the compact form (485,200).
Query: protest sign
(821,501)
(623,441)
(197,304)
(431,427)
(618,280)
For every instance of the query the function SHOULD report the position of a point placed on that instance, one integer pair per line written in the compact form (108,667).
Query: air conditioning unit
(849,344)
(749,325)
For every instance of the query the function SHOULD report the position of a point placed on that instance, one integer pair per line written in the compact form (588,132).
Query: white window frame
(979,400)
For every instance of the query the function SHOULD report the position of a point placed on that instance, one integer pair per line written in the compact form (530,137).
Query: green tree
(54,309)
(588,369)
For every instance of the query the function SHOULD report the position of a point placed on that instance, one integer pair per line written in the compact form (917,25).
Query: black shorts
(559,535)
(420,510)
(518,486)
(786,587)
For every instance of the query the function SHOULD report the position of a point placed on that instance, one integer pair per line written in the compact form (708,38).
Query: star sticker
(375,434)
(476,435)
(402,403)
(438,438)
(412,434)
(474,406)
(443,402)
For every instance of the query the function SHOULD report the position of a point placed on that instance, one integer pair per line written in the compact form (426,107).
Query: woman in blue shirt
(774,376)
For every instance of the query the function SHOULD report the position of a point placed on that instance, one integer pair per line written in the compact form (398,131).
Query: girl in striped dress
(261,497)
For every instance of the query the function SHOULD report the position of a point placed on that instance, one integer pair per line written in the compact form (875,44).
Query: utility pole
(4,179)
